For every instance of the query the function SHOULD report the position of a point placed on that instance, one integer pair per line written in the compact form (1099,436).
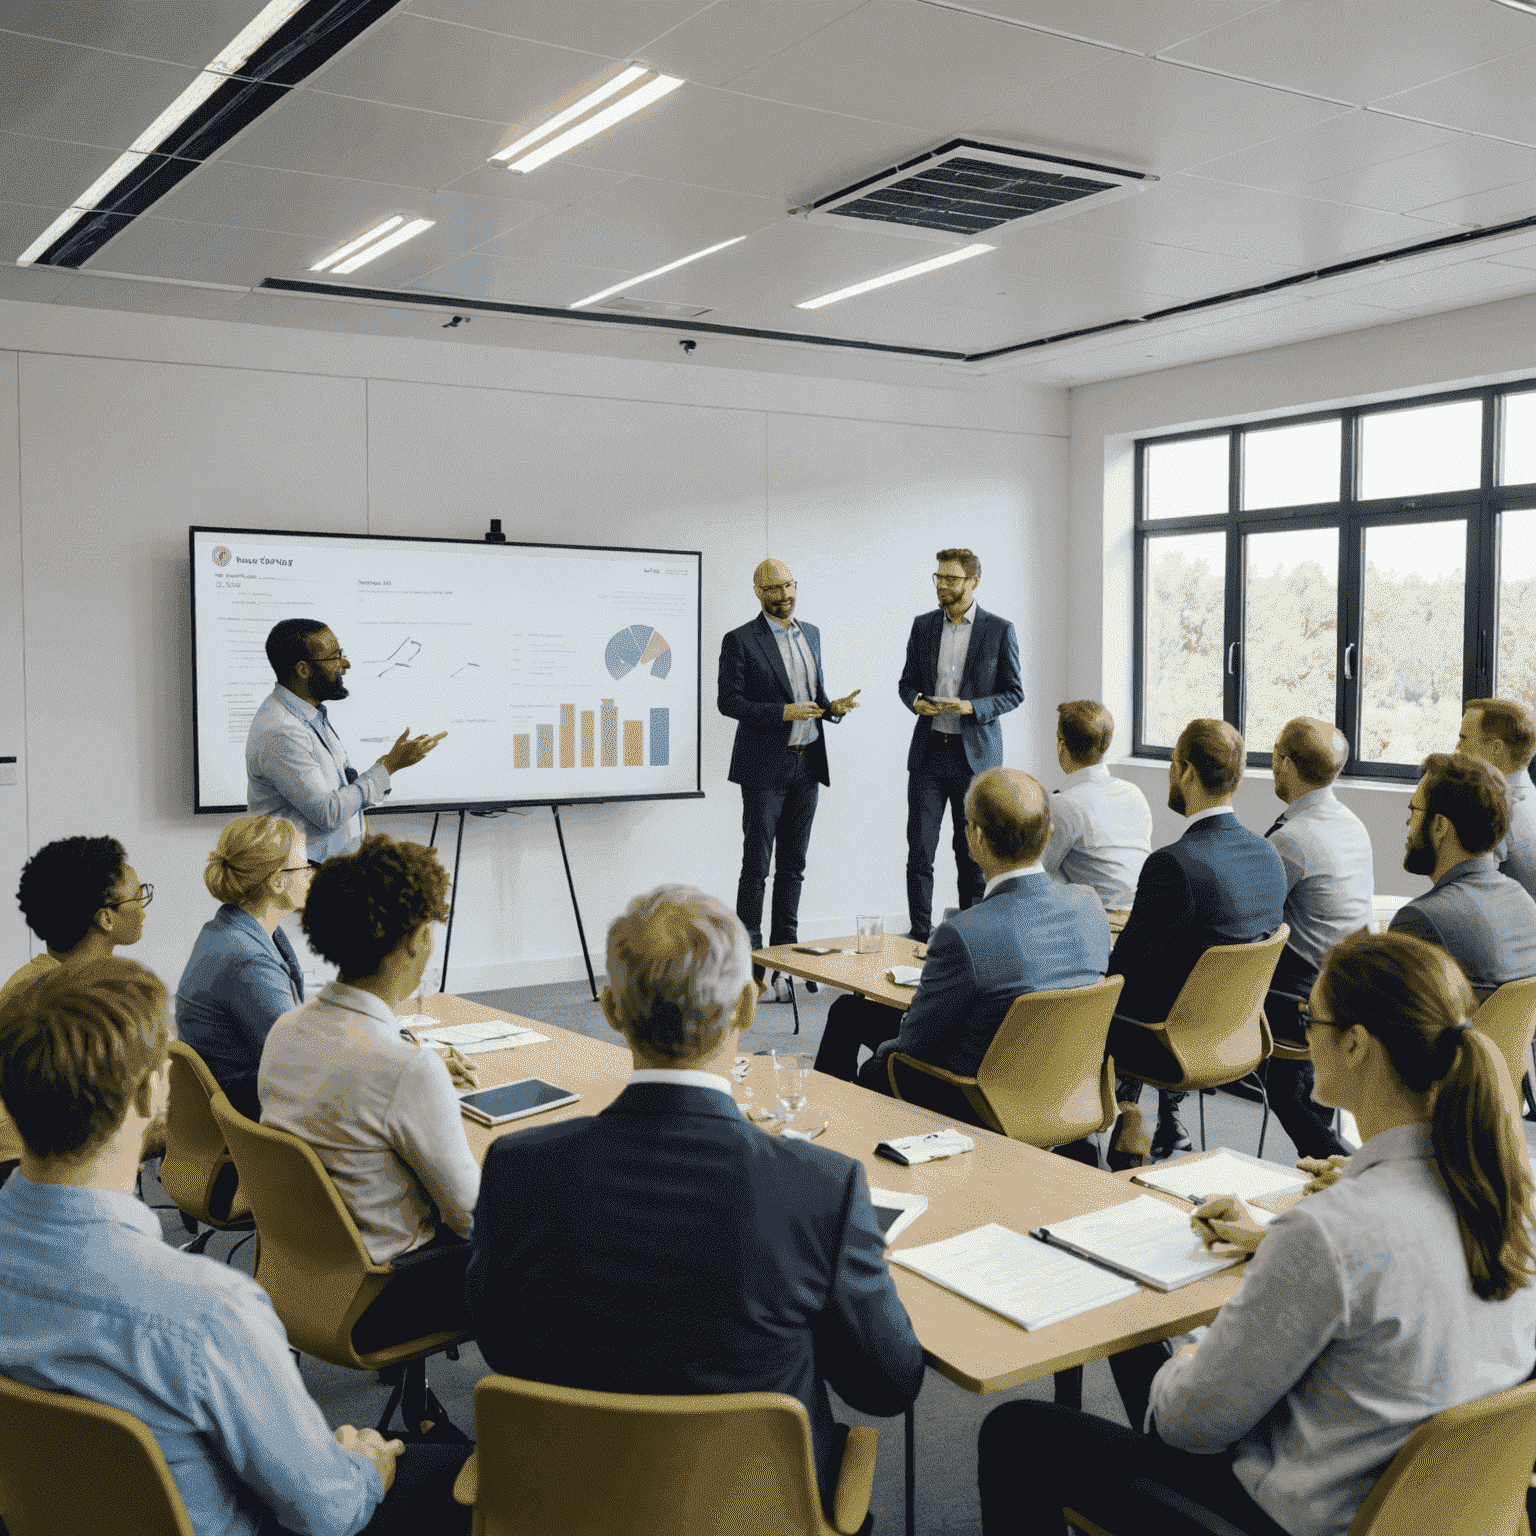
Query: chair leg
(201,1241)
(794,1003)
(229,1258)
(1264,1123)
(423,1415)
(191,1224)
(1200,1094)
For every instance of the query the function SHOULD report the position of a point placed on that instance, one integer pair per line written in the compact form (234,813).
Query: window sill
(1395,786)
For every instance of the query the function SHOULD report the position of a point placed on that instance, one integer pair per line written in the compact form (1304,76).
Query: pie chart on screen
(637,646)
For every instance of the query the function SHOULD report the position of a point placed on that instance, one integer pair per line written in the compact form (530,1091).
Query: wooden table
(863,975)
(1004,1181)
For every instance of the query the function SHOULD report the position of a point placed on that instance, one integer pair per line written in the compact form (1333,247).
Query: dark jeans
(776,824)
(1139,1050)
(852,1022)
(424,1297)
(1288,1085)
(942,779)
(421,1499)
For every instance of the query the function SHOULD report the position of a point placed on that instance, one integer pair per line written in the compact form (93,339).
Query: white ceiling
(1287,135)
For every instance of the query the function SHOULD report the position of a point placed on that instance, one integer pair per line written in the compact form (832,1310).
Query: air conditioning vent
(967,188)
(651,307)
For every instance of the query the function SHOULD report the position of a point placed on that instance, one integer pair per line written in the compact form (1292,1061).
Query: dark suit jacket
(754,688)
(1219,884)
(1029,935)
(990,681)
(667,1245)
(1482,919)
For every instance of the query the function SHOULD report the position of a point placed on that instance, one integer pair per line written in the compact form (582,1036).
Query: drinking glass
(789,1078)
(871,932)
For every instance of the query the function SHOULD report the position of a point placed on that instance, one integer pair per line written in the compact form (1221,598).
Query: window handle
(1349,662)
(1232,658)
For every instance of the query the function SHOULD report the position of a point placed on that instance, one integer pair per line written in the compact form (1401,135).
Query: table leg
(794,1003)
(912,1468)
(1069,1387)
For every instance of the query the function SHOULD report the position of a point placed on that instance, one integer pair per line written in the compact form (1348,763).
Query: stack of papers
(905,975)
(1224,1173)
(1018,1278)
(478,1036)
(924,1149)
(1145,1238)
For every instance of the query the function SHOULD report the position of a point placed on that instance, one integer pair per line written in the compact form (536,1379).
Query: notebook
(904,975)
(473,1038)
(1225,1172)
(1145,1238)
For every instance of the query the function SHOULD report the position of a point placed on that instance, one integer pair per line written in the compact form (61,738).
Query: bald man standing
(771,685)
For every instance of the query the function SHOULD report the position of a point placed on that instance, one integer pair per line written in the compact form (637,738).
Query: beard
(1175,799)
(1419,857)
(328,689)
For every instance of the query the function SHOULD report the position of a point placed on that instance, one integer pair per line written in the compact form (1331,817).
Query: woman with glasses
(1402,1288)
(243,972)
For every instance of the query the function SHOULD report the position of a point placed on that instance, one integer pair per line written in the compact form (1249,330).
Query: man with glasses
(961,674)
(771,685)
(295,764)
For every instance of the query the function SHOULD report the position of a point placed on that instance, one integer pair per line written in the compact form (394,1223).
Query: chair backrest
(73,1467)
(312,1261)
(1214,1028)
(1465,1472)
(619,1464)
(1508,1018)
(1044,1075)
(197,1171)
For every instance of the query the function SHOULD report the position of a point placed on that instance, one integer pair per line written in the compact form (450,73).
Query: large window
(1372,566)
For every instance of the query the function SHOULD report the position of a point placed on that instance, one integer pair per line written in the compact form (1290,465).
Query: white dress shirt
(954,647)
(795,653)
(1354,1323)
(1101,834)
(381,1112)
(681,1077)
(1329,873)
(1012,874)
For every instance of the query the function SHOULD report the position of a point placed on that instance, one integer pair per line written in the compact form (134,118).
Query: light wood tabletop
(1004,1181)
(863,975)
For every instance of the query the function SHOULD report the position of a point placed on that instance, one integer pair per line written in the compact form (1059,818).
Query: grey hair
(677,963)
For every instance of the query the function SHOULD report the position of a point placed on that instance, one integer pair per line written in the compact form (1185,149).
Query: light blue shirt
(296,767)
(1354,1323)
(1517,853)
(1101,834)
(954,646)
(92,1302)
(795,653)
(1329,873)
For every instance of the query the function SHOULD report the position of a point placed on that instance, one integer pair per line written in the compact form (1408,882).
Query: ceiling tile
(88,292)
(616,30)
(1461,168)
(367,140)
(57,91)
(31,285)
(559,183)
(1468,282)
(894,61)
(20,225)
(394,269)
(721,42)
(478,276)
(1148,26)
(1494,98)
(192,34)
(1162,118)
(1525,258)
(1358,50)
(1486,208)
(47,171)
(202,253)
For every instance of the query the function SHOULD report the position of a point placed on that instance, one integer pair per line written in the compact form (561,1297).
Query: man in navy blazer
(771,685)
(668,1245)
(961,674)
(1027,934)
(1219,884)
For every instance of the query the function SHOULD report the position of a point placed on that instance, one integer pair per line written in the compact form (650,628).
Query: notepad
(896,1210)
(1145,1238)
(478,1035)
(904,975)
(1027,1282)
(1224,1173)
(925,1149)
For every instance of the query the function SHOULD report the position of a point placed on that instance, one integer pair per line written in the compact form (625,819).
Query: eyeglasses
(949,581)
(322,660)
(1304,1014)
(780,587)
(1415,810)
(293,869)
(145,895)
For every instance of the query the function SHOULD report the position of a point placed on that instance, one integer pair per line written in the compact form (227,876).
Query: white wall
(1488,344)
(130,427)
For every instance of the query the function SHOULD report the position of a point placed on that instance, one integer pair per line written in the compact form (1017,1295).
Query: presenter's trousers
(941,779)
(776,826)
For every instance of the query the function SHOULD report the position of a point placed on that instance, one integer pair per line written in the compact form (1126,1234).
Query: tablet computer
(511,1101)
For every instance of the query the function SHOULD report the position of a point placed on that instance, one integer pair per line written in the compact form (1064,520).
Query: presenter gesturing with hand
(295,764)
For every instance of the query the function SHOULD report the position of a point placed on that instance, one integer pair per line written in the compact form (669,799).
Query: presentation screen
(560,672)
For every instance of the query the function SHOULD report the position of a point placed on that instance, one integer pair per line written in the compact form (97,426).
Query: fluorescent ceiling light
(1528,6)
(645,277)
(560,119)
(203,85)
(388,243)
(901,274)
(634,101)
(359,243)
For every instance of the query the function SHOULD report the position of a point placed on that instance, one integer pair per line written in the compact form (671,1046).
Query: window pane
(1515,655)
(1185,608)
(1291,466)
(1414,453)
(1187,479)
(1519,434)
(1290,630)
(1411,640)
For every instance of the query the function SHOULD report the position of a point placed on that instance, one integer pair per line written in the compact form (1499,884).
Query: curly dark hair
(65,884)
(288,644)
(361,905)
(1471,794)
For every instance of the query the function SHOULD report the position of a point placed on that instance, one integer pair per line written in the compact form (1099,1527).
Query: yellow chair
(73,1467)
(197,1171)
(1216,1031)
(1508,1017)
(620,1464)
(312,1263)
(1045,1078)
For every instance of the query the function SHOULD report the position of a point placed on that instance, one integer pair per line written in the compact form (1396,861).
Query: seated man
(1484,920)
(1027,934)
(1502,734)
(1101,827)
(1330,879)
(82,898)
(1219,884)
(94,1303)
(668,1245)
(381,1111)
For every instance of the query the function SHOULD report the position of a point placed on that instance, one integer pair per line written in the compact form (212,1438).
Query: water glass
(790,1073)
(871,934)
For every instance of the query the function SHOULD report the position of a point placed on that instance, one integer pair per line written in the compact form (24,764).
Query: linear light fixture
(640,87)
(645,277)
(901,274)
(357,245)
(394,233)
(1528,6)
(226,63)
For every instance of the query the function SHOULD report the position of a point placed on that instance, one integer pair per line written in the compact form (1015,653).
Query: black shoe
(812,986)
(1171,1137)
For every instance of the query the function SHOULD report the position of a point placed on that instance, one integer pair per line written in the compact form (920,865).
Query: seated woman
(1401,1289)
(243,972)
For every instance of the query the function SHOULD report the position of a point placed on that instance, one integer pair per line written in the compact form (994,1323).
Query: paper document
(1224,1173)
(1015,1276)
(480,1035)
(905,975)
(896,1210)
(1145,1238)
(925,1149)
